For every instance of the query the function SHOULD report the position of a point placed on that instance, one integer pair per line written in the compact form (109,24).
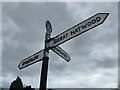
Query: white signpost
(52,43)
(78,29)
(61,53)
(31,59)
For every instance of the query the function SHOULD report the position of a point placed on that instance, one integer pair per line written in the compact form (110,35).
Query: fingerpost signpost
(53,44)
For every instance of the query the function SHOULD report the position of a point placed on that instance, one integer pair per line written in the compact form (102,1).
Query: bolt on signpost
(53,44)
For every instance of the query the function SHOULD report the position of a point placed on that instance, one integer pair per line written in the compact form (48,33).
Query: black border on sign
(61,55)
(83,31)
(29,57)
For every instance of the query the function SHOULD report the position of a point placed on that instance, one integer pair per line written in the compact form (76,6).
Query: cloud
(93,54)
(0,44)
(96,49)
(96,78)
(23,34)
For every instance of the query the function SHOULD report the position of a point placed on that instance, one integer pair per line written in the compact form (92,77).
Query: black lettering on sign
(79,29)
(24,63)
(75,31)
(30,60)
(93,21)
(72,32)
(89,23)
(62,53)
(83,26)
(60,38)
(36,57)
(98,19)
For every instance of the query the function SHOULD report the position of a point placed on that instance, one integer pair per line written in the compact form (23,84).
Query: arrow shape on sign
(78,29)
(31,59)
(61,53)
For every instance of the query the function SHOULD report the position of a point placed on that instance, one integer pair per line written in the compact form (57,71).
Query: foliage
(18,85)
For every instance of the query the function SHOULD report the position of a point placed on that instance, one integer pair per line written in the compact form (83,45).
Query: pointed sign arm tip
(105,15)
(68,60)
(31,59)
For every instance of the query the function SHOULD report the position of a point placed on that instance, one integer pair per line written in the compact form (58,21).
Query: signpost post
(44,69)
(53,44)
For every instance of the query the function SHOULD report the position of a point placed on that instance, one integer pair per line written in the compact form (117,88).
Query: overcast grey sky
(94,55)
(1,44)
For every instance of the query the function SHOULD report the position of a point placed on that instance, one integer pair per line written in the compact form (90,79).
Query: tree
(50,89)
(28,88)
(16,84)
